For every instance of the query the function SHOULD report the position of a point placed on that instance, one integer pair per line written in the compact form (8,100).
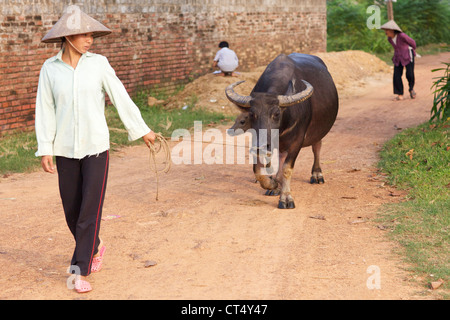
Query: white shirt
(227,59)
(70,107)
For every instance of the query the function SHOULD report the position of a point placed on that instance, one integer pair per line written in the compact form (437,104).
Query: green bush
(426,21)
(347,28)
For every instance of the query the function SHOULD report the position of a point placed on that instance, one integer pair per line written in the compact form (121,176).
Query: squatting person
(226,59)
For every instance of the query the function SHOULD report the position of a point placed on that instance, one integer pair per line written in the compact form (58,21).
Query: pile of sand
(350,70)
(353,70)
(208,92)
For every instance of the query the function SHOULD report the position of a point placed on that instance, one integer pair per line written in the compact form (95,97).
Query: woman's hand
(47,164)
(149,138)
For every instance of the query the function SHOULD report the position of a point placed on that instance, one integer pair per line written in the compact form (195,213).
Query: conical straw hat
(391,25)
(75,21)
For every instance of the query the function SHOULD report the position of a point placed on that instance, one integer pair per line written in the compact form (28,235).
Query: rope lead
(155,149)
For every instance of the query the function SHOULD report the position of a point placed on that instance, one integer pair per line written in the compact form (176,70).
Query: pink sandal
(82,286)
(98,261)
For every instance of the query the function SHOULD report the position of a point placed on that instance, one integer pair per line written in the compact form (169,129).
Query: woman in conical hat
(404,57)
(71,126)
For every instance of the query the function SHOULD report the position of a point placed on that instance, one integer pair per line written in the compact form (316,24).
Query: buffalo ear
(241,124)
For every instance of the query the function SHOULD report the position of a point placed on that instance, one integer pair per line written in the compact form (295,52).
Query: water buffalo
(296,95)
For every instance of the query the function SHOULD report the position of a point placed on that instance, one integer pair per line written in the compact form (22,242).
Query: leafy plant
(423,20)
(441,103)
(347,29)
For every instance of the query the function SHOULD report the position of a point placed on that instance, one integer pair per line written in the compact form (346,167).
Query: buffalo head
(265,110)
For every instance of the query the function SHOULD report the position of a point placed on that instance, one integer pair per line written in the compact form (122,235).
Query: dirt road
(214,235)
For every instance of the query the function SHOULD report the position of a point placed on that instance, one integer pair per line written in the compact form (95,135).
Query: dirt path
(214,235)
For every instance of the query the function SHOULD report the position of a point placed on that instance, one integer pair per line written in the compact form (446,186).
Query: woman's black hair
(396,32)
(63,39)
(223,44)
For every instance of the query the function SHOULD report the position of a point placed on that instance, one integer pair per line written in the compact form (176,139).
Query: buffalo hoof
(317,177)
(286,204)
(274,192)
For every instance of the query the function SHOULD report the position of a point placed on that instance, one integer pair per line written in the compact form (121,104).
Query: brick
(154,43)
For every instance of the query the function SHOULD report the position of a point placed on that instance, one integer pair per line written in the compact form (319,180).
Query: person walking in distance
(404,57)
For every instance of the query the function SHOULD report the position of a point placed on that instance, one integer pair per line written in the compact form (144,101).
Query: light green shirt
(70,107)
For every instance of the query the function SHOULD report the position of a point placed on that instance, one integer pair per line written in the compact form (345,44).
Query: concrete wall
(160,43)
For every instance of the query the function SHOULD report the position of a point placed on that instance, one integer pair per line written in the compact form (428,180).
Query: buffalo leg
(316,171)
(273,192)
(265,181)
(279,176)
(286,200)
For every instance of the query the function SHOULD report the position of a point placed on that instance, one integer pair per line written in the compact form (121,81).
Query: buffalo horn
(242,101)
(287,101)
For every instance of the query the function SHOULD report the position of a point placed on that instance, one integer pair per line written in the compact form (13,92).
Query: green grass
(17,152)
(17,149)
(418,160)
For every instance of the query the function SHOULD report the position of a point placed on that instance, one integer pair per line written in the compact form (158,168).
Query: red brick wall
(154,44)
